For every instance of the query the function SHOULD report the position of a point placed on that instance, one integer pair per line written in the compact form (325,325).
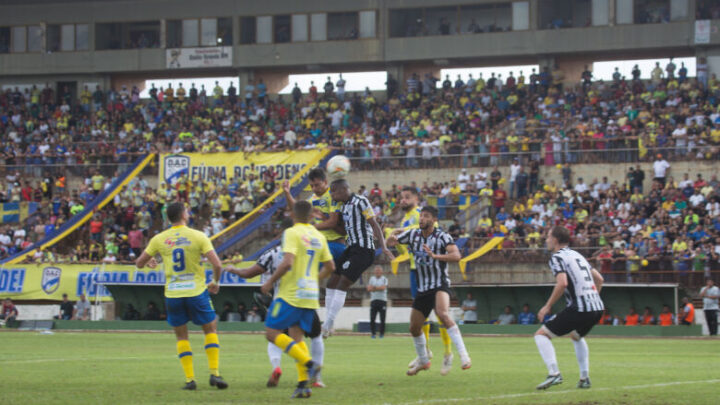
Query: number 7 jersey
(581,292)
(181,249)
(299,286)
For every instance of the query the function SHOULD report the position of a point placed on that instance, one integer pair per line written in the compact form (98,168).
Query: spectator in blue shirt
(526,317)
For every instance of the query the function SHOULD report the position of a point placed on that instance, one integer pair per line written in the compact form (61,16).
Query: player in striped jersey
(409,201)
(581,285)
(432,250)
(361,229)
(265,266)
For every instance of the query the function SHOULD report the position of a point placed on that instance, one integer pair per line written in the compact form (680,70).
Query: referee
(377,286)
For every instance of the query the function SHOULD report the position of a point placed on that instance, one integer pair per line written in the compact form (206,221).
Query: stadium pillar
(244,77)
(712,55)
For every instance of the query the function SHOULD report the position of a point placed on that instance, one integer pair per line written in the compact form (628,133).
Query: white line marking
(535,393)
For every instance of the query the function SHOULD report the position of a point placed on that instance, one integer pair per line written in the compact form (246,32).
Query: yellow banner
(51,281)
(229,165)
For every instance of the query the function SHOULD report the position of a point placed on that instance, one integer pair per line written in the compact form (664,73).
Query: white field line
(535,393)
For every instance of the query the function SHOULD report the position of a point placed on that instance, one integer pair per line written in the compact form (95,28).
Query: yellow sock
(302,370)
(185,355)
(426,330)
(212,349)
(445,338)
(292,348)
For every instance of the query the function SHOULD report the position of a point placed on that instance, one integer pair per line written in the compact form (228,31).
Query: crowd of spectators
(480,122)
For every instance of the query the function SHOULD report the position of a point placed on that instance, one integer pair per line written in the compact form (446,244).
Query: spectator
(632,319)
(82,309)
(131,314)
(377,287)
(507,317)
(242,311)
(254,315)
(666,317)
(526,317)
(647,317)
(153,313)
(9,313)
(660,168)
(469,307)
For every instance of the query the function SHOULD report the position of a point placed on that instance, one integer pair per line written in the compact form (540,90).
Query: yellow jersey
(410,220)
(326,206)
(181,249)
(299,286)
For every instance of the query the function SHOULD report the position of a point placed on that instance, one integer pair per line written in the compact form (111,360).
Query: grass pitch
(140,368)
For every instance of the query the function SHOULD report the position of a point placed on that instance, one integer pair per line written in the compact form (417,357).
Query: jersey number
(588,276)
(178,256)
(310,253)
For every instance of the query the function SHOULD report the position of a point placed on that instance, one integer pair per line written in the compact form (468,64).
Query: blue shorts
(199,309)
(336,249)
(282,315)
(413,283)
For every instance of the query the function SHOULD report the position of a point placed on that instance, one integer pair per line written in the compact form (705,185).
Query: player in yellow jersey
(187,298)
(409,200)
(326,212)
(298,292)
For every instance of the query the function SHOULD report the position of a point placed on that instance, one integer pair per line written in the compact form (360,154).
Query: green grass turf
(134,368)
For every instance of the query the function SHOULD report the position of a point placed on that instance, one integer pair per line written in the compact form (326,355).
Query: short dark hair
(317,173)
(411,190)
(562,235)
(302,210)
(340,183)
(430,210)
(175,212)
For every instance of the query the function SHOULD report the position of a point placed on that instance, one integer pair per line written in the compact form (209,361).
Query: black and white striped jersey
(355,214)
(270,260)
(431,273)
(581,292)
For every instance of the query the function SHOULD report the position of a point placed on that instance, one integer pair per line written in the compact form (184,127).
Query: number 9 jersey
(299,286)
(181,249)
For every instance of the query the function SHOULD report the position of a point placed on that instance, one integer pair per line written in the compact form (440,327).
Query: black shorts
(569,319)
(354,261)
(316,328)
(425,301)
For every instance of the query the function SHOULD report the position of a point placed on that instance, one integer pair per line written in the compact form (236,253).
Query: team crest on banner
(50,279)
(176,166)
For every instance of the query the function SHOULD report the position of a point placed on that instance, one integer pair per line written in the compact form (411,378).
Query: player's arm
(250,272)
(289,199)
(214,260)
(397,237)
(452,255)
(560,285)
(330,223)
(380,237)
(598,279)
(282,268)
(147,256)
(327,270)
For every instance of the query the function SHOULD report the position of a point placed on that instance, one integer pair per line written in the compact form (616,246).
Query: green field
(133,368)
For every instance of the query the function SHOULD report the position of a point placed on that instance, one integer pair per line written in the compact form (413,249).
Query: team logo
(175,167)
(50,279)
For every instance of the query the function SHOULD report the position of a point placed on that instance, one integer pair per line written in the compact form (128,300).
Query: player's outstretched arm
(377,230)
(560,285)
(250,272)
(289,199)
(282,268)
(145,259)
(598,279)
(330,223)
(452,255)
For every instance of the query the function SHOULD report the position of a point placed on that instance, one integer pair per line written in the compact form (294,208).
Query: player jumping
(187,298)
(296,297)
(266,266)
(581,285)
(432,250)
(361,229)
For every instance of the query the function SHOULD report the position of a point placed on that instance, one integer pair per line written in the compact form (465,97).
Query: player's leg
(442,310)
(185,355)
(547,352)
(373,314)
(317,349)
(445,337)
(212,350)
(330,292)
(178,317)
(582,353)
(275,355)
(417,318)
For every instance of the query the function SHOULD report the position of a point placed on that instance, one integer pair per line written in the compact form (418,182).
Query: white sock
(329,295)
(420,348)
(337,303)
(457,340)
(547,352)
(275,355)
(583,357)
(317,351)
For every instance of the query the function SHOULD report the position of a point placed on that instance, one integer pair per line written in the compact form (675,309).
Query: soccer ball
(338,167)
